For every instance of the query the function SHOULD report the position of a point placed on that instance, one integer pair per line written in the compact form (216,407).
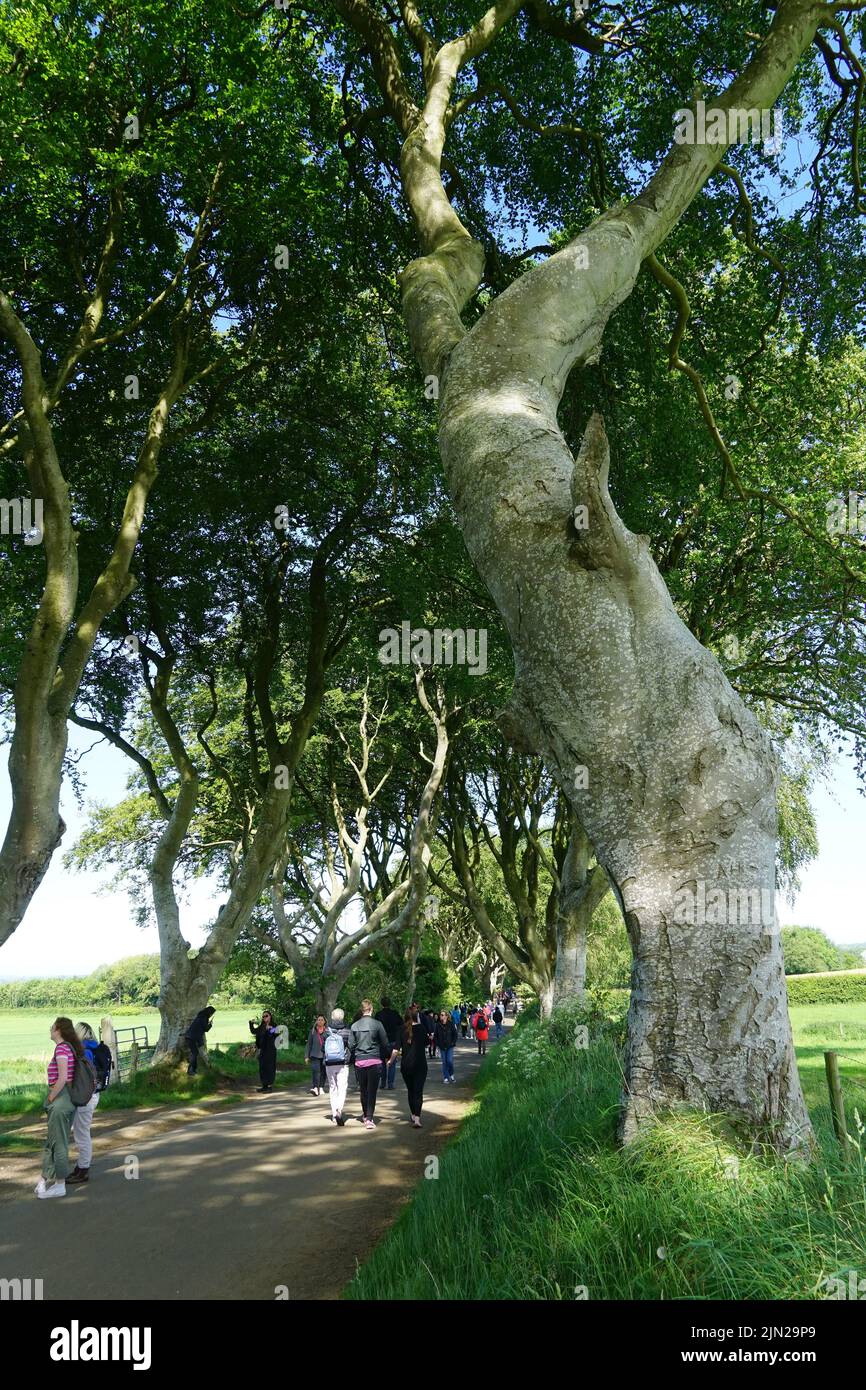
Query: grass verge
(535,1201)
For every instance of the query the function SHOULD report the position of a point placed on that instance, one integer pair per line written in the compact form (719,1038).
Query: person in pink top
(61,1069)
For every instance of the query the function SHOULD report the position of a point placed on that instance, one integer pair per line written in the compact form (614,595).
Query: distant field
(839,1028)
(24,1033)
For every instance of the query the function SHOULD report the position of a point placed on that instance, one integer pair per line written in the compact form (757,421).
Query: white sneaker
(40,1187)
(57,1189)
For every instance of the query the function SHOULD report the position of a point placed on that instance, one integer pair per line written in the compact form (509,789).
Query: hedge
(827,989)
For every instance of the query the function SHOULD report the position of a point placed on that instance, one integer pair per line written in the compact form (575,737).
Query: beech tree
(132,171)
(681,777)
(512,814)
(374,857)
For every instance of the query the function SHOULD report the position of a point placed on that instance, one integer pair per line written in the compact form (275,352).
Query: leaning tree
(667,767)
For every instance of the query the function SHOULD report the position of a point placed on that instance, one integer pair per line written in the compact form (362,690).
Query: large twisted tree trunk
(681,786)
(680,802)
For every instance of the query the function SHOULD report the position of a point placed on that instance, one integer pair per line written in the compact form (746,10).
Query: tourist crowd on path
(80,1067)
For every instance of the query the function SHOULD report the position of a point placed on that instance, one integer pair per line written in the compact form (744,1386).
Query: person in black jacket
(200,1025)
(445,1035)
(369,1046)
(428,1018)
(266,1041)
(413,1061)
(391,1022)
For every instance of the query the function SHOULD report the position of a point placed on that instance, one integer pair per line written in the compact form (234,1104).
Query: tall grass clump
(535,1200)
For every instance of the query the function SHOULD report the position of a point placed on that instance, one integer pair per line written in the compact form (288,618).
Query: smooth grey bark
(681,778)
(582,890)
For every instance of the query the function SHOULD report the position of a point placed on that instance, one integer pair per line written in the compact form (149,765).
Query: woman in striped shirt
(58,1103)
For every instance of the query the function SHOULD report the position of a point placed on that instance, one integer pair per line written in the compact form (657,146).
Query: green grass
(24,1033)
(535,1200)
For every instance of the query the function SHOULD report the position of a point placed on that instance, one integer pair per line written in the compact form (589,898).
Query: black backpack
(102,1063)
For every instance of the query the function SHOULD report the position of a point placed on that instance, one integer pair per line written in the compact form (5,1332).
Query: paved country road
(235,1205)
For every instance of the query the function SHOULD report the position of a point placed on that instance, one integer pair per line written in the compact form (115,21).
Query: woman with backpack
(315,1055)
(337,1040)
(68,1057)
(94,1052)
(265,1034)
(482,1032)
(446,1038)
(413,1061)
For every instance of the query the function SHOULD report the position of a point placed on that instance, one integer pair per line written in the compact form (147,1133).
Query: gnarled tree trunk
(681,779)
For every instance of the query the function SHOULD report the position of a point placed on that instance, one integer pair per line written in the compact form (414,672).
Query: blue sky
(74,925)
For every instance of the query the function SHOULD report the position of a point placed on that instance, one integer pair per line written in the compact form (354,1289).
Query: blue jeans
(498,1027)
(447,1054)
(388,1074)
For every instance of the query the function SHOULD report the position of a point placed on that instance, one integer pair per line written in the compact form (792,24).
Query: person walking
(455,1015)
(497,1022)
(200,1025)
(99,1057)
(315,1055)
(428,1018)
(337,1043)
(481,1032)
(68,1054)
(446,1038)
(391,1022)
(369,1046)
(265,1034)
(413,1061)
(464,1020)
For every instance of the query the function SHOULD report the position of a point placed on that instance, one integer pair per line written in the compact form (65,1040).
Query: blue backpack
(335,1046)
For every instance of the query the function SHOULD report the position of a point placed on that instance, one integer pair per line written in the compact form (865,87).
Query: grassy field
(25,1047)
(684,1213)
(842,1029)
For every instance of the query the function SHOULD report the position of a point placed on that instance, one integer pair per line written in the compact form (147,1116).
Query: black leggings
(268,1066)
(415,1086)
(368,1085)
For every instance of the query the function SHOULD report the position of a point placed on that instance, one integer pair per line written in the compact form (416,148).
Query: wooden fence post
(837,1104)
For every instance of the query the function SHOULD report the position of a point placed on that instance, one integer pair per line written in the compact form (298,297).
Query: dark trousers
(482,1047)
(368,1085)
(463,1028)
(389,1072)
(415,1086)
(192,1069)
(317,1073)
(268,1066)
